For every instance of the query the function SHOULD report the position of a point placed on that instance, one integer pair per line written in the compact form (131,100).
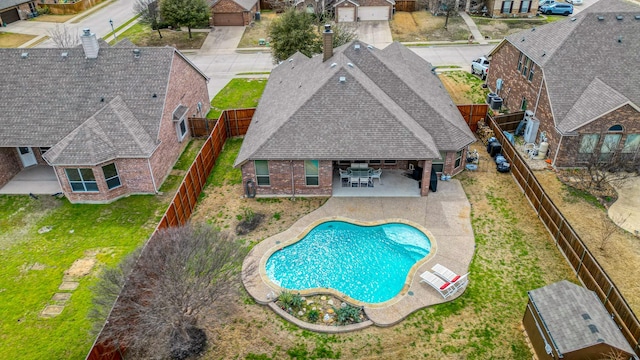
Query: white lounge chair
(375,174)
(456,280)
(445,289)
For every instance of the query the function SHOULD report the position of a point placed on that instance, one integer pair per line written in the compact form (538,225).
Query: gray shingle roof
(573,53)
(9,3)
(562,305)
(390,106)
(245,4)
(46,96)
(113,132)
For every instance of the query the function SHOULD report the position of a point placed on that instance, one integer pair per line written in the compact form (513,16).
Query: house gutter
(293,184)
(153,178)
(557,151)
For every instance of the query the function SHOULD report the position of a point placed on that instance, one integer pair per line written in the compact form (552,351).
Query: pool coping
(446,217)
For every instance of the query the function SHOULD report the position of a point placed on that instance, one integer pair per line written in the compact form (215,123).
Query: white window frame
(182,127)
(262,177)
(115,177)
(309,175)
(458,161)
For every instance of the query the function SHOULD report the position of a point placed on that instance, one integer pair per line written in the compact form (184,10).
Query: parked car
(574,2)
(480,66)
(546,2)
(557,9)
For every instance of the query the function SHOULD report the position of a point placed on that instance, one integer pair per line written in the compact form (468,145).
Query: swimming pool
(367,263)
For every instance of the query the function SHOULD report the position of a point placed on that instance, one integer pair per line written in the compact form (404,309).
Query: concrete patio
(38,179)
(393,184)
(446,216)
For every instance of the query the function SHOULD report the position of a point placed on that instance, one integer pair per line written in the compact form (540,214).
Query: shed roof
(362,103)
(575,318)
(589,58)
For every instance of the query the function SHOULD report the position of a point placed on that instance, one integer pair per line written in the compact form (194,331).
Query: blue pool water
(367,263)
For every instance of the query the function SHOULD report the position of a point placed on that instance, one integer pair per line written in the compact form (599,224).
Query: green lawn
(238,94)
(33,264)
(143,35)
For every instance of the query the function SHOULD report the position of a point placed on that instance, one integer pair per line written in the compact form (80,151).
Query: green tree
(189,13)
(291,32)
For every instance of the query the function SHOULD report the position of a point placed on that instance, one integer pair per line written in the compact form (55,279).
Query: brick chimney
(89,44)
(327,43)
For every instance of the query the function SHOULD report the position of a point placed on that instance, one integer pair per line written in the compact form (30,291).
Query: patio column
(426,177)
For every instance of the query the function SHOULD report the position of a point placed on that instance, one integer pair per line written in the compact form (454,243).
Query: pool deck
(446,214)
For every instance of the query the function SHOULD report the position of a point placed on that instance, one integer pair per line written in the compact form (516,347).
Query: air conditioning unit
(531,131)
(528,115)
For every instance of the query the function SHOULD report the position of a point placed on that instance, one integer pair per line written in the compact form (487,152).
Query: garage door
(346,14)
(373,13)
(10,16)
(228,19)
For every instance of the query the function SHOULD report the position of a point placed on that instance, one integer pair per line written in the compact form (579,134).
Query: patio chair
(376,174)
(445,289)
(344,177)
(364,181)
(456,280)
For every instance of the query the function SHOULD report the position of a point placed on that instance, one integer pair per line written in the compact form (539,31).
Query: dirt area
(11,40)
(257,30)
(464,87)
(423,26)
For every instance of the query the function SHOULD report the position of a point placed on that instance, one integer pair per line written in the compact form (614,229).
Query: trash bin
(257,15)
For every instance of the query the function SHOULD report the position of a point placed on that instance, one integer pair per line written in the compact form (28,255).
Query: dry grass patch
(424,26)
(500,28)
(11,40)
(259,30)
(463,87)
(54,18)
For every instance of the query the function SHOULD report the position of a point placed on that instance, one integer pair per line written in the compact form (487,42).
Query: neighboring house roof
(245,4)
(51,94)
(576,318)
(361,2)
(390,106)
(9,3)
(589,64)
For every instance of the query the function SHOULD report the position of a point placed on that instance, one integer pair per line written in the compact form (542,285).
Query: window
(609,146)
(111,176)
(588,143)
(525,6)
(506,7)
(82,180)
(527,63)
(180,119)
(523,104)
(44,150)
(389,162)
(531,71)
(375,162)
(262,172)
(438,164)
(632,144)
(616,128)
(311,172)
(458,159)
(520,61)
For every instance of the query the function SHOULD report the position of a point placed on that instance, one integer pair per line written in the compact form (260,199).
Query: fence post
(606,299)
(584,252)
(235,115)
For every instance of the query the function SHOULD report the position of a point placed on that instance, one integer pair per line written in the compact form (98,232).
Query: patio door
(27,156)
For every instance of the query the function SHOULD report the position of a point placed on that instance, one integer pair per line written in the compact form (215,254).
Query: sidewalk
(473,28)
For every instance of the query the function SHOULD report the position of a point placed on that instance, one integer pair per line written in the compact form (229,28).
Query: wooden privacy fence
(406,5)
(567,240)
(230,123)
(472,114)
(69,7)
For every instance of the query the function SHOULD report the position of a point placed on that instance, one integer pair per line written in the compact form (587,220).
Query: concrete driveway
(376,33)
(222,40)
(627,206)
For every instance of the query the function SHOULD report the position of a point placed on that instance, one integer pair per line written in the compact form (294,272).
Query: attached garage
(228,19)
(346,14)
(368,13)
(10,16)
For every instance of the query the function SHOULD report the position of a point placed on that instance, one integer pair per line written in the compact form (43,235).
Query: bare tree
(63,36)
(149,14)
(280,5)
(182,272)
(608,227)
(606,164)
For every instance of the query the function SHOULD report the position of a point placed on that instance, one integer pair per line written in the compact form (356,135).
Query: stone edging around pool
(317,291)
(319,328)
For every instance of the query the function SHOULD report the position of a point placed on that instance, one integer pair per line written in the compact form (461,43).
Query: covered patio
(393,183)
(37,179)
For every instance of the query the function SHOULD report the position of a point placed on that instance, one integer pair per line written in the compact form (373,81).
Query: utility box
(531,131)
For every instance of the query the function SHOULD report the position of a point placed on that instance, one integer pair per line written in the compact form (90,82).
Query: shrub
(347,315)
(313,315)
(296,301)
(286,299)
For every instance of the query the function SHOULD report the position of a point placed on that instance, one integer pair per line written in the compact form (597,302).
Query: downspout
(557,151)
(153,179)
(535,109)
(293,184)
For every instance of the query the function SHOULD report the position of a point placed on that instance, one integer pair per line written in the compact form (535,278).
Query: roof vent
(637,17)
(586,316)
(356,46)
(290,60)
(343,79)
(619,39)
(334,65)
(24,55)
(101,99)
(600,18)
(522,39)
(573,19)
(369,47)
(593,328)
(544,53)
(136,53)
(154,95)
(64,55)
(619,17)
(350,65)
(533,28)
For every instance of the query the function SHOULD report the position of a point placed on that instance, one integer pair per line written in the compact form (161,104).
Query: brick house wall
(627,116)
(186,87)
(280,175)
(495,8)
(10,165)
(134,178)
(229,6)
